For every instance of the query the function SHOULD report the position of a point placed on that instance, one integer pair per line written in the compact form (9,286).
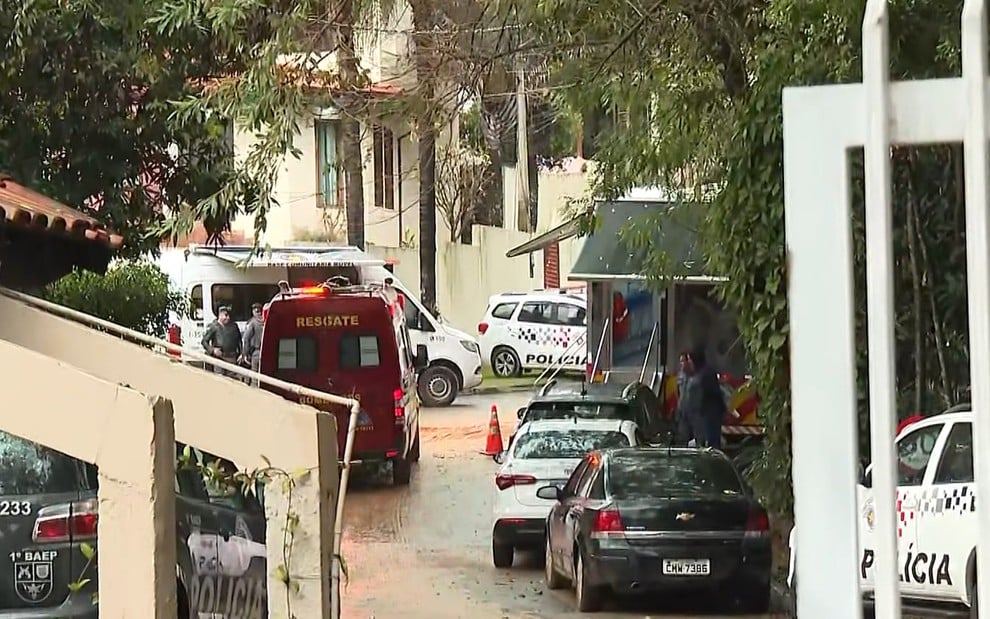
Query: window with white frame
(385,169)
(329,171)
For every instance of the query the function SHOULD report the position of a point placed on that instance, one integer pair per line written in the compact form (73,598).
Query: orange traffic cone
(493,446)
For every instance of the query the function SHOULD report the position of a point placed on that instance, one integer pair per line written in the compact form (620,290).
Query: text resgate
(329,320)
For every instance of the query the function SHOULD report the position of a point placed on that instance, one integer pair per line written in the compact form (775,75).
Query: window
(504,310)
(196,302)
(561,444)
(298,353)
(329,172)
(384,166)
(28,468)
(540,313)
(570,315)
(570,488)
(359,351)
(414,318)
(956,466)
(913,453)
(239,297)
(585,484)
(579,409)
(646,476)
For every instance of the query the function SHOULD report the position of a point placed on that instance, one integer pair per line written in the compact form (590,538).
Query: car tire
(401,471)
(414,451)
(553,578)
(502,554)
(505,363)
(589,598)
(974,600)
(438,386)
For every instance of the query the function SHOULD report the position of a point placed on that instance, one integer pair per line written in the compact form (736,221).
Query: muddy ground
(424,551)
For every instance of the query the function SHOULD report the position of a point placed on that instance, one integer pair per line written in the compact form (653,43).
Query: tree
(133,294)
(346,16)
(462,192)
(697,86)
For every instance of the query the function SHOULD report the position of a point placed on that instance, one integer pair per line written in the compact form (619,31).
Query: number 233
(15,508)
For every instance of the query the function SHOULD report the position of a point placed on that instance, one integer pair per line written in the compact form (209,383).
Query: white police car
(936,517)
(534,330)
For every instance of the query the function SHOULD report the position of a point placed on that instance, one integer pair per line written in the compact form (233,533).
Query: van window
(196,302)
(540,313)
(414,318)
(239,298)
(570,315)
(956,466)
(913,454)
(297,353)
(504,310)
(359,351)
(28,468)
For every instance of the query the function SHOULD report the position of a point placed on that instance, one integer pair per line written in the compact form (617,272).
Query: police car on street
(936,515)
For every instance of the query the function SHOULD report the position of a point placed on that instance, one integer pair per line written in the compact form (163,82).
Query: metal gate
(821,124)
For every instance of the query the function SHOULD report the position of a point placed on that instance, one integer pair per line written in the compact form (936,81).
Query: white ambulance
(936,515)
(231,276)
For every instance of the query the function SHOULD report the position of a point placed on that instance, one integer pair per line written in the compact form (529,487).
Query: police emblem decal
(33,580)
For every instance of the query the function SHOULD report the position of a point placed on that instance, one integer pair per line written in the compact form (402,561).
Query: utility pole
(522,154)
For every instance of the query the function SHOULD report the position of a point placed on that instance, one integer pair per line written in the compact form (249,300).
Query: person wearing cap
(223,338)
(251,342)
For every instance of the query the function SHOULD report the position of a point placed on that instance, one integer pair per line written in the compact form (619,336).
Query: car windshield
(27,468)
(566,443)
(580,410)
(643,476)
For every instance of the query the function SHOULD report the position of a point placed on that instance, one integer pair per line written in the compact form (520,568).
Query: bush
(133,294)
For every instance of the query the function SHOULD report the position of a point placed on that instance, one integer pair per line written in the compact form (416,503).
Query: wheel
(181,602)
(414,450)
(554,579)
(401,471)
(438,386)
(502,554)
(589,598)
(505,362)
(755,601)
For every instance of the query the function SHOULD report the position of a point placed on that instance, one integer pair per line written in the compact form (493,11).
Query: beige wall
(558,186)
(219,415)
(129,436)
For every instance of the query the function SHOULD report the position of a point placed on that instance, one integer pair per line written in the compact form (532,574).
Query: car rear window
(298,353)
(504,310)
(580,410)
(359,351)
(27,468)
(566,443)
(631,477)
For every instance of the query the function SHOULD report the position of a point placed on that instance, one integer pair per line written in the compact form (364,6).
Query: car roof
(576,425)
(572,391)
(665,452)
(522,297)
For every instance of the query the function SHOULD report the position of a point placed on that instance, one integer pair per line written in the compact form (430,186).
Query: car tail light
(758,523)
(482,327)
(607,524)
(400,409)
(174,337)
(60,523)
(506,481)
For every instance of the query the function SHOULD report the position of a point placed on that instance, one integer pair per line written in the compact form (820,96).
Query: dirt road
(424,552)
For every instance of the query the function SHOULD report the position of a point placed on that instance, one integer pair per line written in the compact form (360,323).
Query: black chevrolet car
(48,537)
(641,519)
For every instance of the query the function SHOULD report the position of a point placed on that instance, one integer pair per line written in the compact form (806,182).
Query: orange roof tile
(22,206)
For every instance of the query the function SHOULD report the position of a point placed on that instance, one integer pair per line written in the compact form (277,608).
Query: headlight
(469,345)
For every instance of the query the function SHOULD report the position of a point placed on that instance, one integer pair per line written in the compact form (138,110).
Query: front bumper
(737,565)
(473,380)
(520,532)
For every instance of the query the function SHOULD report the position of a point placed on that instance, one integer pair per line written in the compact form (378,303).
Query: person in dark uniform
(223,339)
(703,405)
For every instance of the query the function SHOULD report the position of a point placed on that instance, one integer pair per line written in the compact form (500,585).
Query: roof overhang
(564,231)
(687,279)
(245,256)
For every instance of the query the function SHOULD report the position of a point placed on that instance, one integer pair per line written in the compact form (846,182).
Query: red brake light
(504,481)
(607,524)
(482,327)
(758,523)
(59,523)
(400,409)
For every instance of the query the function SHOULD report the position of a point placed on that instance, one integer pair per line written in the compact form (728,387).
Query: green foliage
(697,86)
(133,294)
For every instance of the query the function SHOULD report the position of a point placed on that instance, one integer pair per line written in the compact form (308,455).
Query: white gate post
(821,124)
(974,55)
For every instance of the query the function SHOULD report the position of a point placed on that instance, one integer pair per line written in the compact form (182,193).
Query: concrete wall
(246,425)
(558,187)
(129,436)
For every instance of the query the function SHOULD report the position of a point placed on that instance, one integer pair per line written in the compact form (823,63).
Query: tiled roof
(26,207)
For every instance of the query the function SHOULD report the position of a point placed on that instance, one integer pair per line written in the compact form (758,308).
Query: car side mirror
(499,458)
(550,493)
(422,359)
(520,412)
